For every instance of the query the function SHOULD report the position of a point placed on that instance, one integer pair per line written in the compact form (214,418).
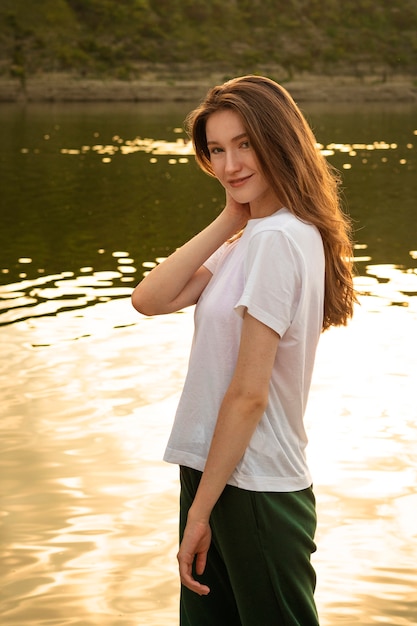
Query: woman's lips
(238,182)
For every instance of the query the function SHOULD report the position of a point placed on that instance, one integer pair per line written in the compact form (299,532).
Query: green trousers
(258,568)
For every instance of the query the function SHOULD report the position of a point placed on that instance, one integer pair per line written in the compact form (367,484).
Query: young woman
(268,275)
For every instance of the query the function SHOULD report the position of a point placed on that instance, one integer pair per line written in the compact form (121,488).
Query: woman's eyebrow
(233,138)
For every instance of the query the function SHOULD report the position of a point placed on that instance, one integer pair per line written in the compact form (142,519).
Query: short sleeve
(213,261)
(272,280)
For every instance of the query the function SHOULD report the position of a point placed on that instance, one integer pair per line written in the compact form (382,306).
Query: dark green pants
(258,567)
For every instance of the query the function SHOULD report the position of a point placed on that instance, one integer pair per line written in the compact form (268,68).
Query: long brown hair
(299,174)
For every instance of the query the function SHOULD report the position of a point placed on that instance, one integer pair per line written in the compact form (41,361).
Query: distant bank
(309,88)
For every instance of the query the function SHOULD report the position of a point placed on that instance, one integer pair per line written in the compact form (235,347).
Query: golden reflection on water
(183,149)
(363,437)
(89,511)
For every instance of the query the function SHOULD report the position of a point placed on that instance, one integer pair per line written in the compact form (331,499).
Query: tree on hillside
(117,37)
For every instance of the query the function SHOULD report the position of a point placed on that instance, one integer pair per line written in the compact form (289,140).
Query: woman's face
(235,163)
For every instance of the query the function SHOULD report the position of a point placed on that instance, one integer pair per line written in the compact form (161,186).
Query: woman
(267,276)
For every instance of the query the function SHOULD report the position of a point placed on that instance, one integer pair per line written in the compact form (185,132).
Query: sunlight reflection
(183,147)
(46,295)
(114,553)
(106,542)
(360,442)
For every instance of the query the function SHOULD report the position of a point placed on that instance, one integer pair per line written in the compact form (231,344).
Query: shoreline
(309,88)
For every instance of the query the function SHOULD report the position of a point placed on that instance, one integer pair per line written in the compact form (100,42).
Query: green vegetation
(123,38)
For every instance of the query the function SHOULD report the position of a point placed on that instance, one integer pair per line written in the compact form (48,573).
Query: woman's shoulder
(284,230)
(285,222)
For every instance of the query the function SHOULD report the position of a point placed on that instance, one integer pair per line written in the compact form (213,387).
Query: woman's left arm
(242,408)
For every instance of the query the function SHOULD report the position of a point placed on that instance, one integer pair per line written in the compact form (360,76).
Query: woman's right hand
(240,213)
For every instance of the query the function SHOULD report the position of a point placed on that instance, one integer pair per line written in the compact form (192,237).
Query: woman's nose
(232,162)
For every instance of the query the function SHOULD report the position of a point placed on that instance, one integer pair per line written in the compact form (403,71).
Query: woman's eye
(215,150)
(245,144)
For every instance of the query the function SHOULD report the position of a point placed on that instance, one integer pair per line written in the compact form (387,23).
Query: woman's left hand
(194,546)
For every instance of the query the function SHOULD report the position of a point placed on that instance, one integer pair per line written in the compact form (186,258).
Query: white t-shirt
(275,271)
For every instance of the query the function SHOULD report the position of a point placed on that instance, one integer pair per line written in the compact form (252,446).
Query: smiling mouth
(238,182)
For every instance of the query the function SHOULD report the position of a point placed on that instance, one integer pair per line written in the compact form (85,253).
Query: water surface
(89,387)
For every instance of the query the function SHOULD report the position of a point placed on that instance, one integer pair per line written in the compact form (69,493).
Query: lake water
(92,196)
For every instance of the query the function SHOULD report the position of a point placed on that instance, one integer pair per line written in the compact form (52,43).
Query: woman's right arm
(179,281)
